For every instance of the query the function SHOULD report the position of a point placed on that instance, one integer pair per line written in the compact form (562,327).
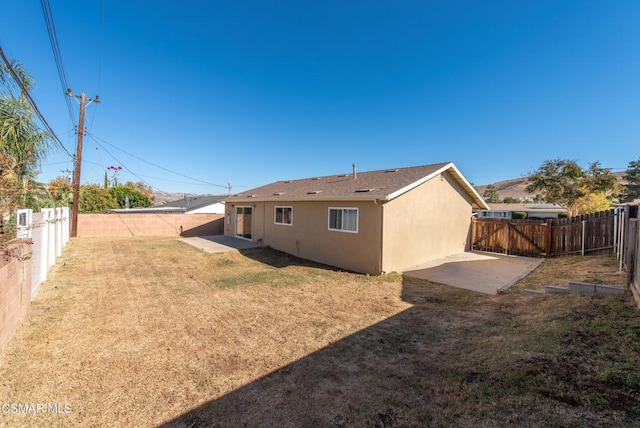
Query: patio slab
(477,271)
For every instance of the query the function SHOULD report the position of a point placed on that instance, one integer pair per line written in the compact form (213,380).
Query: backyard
(154,332)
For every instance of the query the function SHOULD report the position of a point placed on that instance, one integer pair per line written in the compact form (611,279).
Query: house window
(343,219)
(284,215)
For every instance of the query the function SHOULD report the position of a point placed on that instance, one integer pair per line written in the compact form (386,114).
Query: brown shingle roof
(383,184)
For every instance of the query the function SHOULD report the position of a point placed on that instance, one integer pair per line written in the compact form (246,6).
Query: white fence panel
(49,231)
(39,259)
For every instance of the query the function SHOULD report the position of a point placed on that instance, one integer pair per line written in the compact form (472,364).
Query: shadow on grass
(279,259)
(449,360)
(378,376)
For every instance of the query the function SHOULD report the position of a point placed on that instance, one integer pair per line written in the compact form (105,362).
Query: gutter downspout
(380,256)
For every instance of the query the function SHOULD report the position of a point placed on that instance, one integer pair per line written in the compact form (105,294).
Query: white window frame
(343,209)
(275,215)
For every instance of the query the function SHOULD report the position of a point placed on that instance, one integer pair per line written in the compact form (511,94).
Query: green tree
(592,203)
(60,191)
(20,137)
(631,189)
(96,199)
(136,199)
(564,182)
(491,194)
(510,200)
(146,190)
(23,145)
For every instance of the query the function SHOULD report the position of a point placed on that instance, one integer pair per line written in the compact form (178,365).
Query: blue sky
(196,94)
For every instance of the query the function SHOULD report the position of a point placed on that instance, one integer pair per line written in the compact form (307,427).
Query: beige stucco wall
(429,222)
(309,236)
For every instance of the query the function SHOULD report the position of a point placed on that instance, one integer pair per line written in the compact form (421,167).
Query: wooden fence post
(547,237)
(631,252)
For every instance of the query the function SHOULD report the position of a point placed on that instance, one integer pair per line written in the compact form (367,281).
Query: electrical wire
(100,58)
(151,163)
(120,163)
(33,104)
(57,56)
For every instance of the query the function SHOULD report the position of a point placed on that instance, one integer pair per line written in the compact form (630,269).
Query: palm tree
(20,137)
(23,145)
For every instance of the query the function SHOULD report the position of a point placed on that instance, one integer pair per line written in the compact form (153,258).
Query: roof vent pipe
(354,171)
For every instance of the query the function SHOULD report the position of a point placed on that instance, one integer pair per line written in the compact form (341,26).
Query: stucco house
(369,222)
(203,204)
(533,211)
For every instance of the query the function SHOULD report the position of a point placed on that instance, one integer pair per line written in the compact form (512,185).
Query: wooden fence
(598,232)
(633,260)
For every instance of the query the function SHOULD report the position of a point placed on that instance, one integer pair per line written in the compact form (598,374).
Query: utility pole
(67,174)
(78,161)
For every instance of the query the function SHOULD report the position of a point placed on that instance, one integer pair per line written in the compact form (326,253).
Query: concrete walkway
(477,271)
(220,243)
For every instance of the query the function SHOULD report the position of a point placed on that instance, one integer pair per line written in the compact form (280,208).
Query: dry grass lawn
(151,332)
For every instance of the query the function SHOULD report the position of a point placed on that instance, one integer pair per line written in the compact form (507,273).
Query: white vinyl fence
(49,231)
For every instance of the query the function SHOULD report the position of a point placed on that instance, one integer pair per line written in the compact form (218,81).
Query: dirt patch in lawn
(148,332)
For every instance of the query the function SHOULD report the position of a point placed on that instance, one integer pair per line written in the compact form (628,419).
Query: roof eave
(314,198)
(478,202)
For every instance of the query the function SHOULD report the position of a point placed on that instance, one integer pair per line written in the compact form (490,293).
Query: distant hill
(514,188)
(517,188)
(168,197)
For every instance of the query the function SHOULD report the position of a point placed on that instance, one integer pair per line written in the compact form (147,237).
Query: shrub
(518,215)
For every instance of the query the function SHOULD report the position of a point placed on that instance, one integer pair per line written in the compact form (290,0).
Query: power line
(26,93)
(119,162)
(152,164)
(57,56)
(100,57)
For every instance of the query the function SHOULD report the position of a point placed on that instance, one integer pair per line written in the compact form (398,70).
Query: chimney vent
(355,174)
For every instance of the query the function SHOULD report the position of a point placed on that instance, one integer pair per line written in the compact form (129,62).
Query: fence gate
(600,232)
(519,238)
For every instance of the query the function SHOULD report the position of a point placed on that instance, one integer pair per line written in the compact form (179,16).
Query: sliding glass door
(243,222)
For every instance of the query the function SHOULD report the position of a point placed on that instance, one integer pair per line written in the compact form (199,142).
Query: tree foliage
(491,194)
(136,199)
(61,191)
(142,188)
(22,144)
(631,190)
(592,203)
(96,199)
(565,183)
(20,136)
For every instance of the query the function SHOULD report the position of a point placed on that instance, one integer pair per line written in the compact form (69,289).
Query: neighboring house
(369,222)
(208,204)
(533,211)
(188,205)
